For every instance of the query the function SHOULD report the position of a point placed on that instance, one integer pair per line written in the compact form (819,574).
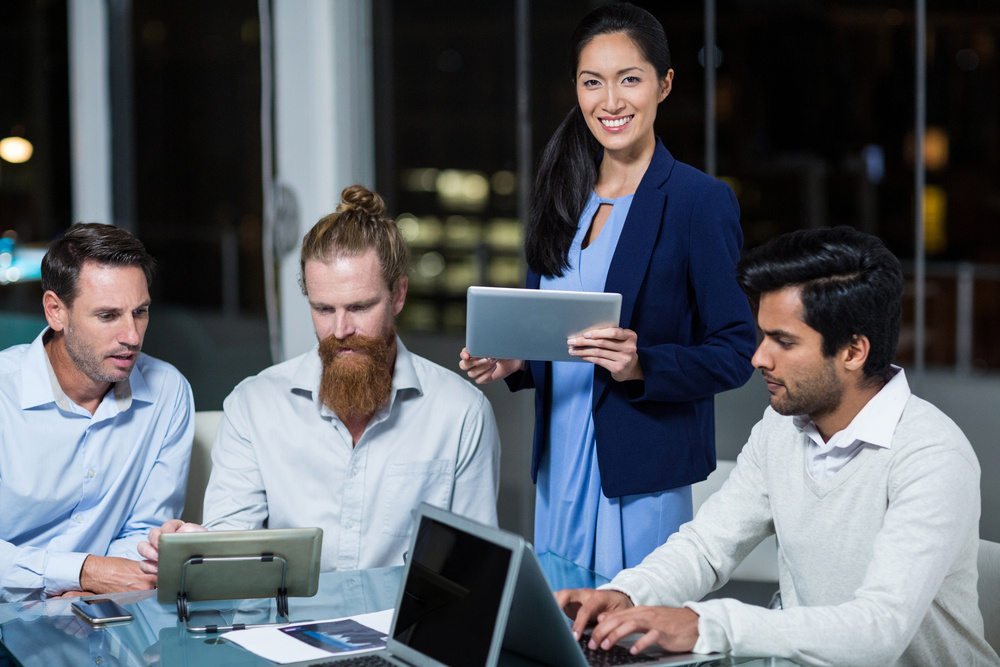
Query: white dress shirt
(72,483)
(282,459)
(873,425)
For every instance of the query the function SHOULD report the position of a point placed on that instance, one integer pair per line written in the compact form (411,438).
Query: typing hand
(671,628)
(108,574)
(584,605)
(150,550)
(613,348)
(487,369)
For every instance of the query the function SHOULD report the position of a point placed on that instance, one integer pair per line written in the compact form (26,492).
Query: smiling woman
(618,93)
(620,438)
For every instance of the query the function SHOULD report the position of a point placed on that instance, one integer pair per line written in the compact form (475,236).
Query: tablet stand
(281,592)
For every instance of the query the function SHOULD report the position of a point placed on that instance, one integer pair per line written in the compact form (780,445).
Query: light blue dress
(573,518)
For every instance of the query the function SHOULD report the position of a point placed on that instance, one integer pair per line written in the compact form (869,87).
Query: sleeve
(235,498)
(925,527)
(702,555)
(522,379)
(477,474)
(162,494)
(26,572)
(721,361)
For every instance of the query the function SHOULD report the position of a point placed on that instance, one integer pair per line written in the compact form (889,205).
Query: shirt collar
(307,375)
(874,424)
(39,385)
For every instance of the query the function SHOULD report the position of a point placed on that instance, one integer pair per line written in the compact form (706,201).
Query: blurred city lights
(16,149)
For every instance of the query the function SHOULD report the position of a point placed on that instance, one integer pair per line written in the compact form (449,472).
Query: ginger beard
(357,374)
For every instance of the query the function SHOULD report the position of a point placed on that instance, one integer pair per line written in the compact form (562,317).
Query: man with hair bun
(95,437)
(354,434)
(872,492)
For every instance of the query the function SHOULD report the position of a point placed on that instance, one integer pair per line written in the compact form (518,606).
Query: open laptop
(475,596)
(454,599)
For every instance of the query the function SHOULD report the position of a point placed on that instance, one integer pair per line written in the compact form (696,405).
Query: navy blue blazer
(675,269)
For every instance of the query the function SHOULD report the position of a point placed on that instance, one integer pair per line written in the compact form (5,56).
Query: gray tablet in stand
(237,565)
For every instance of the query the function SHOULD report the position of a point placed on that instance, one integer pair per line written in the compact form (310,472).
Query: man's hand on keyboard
(585,605)
(671,628)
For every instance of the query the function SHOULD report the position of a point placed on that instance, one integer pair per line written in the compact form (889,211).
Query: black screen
(451,596)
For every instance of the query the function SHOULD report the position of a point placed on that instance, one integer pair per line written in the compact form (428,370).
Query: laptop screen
(451,597)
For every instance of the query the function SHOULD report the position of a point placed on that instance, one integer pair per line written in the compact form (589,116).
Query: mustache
(331,346)
(770,378)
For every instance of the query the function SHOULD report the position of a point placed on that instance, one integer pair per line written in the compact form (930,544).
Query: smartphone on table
(101,611)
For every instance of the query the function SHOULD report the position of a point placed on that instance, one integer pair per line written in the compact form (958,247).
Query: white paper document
(313,640)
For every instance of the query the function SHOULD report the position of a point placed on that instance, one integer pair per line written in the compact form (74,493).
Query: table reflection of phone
(101,612)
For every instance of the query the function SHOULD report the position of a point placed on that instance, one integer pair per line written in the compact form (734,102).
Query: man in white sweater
(873,493)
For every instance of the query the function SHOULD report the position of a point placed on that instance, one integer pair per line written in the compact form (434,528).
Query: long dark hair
(567,170)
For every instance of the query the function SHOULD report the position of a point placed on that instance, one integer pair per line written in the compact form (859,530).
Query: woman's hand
(483,370)
(613,348)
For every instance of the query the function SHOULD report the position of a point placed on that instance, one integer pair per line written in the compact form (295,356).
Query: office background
(220,131)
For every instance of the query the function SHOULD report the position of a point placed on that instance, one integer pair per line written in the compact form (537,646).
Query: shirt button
(349,525)
(78,518)
(98,660)
(91,473)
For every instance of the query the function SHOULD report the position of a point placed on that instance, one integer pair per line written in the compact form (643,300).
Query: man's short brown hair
(90,242)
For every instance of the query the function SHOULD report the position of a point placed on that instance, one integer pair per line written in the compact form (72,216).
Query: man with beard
(95,438)
(873,493)
(354,434)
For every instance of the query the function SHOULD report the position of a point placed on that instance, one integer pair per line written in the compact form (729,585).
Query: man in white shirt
(873,493)
(95,437)
(352,435)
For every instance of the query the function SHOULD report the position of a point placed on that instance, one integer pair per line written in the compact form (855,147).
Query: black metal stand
(281,594)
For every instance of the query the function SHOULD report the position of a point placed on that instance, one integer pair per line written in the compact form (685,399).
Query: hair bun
(360,198)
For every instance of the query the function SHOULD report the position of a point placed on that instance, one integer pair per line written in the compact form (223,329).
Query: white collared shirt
(284,460)
(873,425)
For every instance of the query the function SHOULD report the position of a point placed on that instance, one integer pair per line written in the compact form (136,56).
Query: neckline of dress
(611,200)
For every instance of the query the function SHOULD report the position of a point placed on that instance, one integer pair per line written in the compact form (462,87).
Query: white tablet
(508,323)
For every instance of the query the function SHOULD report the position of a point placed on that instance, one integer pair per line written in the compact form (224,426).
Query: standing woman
(619,440)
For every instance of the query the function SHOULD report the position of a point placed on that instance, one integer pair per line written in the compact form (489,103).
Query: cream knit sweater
(877,564)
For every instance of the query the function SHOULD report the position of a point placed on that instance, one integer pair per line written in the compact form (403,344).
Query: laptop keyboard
(595,657)
(617,655)
(367,660)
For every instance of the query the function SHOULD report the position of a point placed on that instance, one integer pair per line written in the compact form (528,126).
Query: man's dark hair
(90,242)
(850,285)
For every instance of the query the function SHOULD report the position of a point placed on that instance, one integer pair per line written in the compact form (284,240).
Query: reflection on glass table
(46,633)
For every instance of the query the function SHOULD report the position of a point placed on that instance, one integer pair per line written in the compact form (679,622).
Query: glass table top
(47,633)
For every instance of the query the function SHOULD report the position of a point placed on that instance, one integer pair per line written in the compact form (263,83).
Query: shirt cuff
(62,572)
(711,633)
